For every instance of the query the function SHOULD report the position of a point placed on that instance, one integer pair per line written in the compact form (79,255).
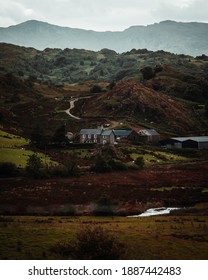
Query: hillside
(133,101)
(176,37)
(56,66)
(152,89)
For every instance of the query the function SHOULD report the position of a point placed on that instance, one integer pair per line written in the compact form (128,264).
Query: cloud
(185,10)
(13,12)
(102,15)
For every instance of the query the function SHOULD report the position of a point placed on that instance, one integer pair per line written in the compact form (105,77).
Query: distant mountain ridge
(176,37)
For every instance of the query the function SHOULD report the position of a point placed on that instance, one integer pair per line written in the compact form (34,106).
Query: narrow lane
(68,111)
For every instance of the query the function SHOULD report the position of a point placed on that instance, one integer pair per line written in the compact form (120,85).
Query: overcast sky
(102,15)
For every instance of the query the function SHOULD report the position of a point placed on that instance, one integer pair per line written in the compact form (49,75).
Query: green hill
(154,89)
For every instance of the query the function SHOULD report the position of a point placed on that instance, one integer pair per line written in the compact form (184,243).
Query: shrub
(132,166)
(8,169)
(139,162)
(206,109)
(96,89)
(148,73)
(92,243)
(117,165)
(59,171)
(35,167)
(101,165)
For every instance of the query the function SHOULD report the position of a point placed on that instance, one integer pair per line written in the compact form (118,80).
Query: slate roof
(194,138)
(148,132)
(106,132)
(91,131)
(122,132)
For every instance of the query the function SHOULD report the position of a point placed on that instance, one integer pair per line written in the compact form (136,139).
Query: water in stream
(155,212)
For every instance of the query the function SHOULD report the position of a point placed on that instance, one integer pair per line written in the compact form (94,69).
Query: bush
(35,167)
(132,166)
(8,169)
(139,162)
(59,171)
(206,109)
(92,243)
(96,89)
(117,165)
(101,165)
(148,73)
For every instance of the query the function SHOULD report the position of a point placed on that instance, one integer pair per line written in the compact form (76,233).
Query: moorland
(45,174)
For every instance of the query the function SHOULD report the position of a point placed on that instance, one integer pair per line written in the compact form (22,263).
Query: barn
(200,142)
(192,142)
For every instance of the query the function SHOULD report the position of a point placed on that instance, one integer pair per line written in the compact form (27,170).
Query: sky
(102,15)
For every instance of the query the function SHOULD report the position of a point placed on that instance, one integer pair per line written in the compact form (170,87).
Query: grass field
(161,237)
(13,149)
(157,157)
(19,156)
(8,140)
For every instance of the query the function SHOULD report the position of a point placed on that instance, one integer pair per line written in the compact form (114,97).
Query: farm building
(90,135)
(195,142)
(121,134)
(102,136)
(144,135)
(107,136)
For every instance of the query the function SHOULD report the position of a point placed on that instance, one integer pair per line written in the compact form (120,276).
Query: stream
(155,212)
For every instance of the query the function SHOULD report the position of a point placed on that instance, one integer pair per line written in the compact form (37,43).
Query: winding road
(68,111)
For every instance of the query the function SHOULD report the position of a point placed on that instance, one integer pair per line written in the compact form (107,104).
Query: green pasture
(161,237)
(80,153)
(13,149)
(19,156)
(8,140)
(157,157)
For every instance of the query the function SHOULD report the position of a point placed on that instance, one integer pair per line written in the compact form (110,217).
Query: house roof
(91,131)
(148,132)
(122,132)
(193,138)
(106,132)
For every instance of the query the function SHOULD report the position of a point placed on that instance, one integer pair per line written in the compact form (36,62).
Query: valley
(51,181)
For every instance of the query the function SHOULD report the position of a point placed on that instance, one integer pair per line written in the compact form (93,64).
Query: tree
(34,166)
(148,73)
(101,165)
(59,137)
(8,169)
(38,139)
(112,85)
(95,89)
(206,108)
(36,136)
(72,165)
(139,162)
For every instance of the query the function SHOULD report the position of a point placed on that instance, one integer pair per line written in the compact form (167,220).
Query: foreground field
(161,237)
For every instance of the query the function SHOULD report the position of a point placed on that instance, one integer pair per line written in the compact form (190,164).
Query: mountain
(176,37)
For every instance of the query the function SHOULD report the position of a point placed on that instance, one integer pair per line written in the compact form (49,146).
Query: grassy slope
(166,237)
(13,149)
